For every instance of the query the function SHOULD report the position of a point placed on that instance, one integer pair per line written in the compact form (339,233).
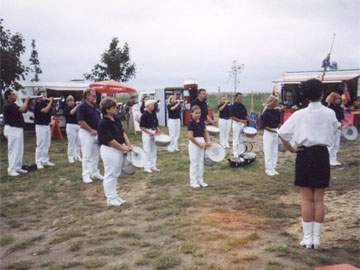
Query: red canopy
(112,87)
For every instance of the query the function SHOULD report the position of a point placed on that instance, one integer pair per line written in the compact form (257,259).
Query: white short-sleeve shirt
(313,125)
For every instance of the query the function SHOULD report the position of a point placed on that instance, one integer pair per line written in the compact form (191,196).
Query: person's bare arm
(151,133)
(207,138)
(175,106)
(222,106)
(85,126)
(127,141)
(73,110)
(289,147)
(209,120)
(122,147)
(48,106)
(271,129)
(23,108)
(192,139)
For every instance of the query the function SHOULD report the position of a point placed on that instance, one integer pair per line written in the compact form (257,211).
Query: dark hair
(201,90)
(87,92)
(106,104)
(238,94)
(195,107)
(313,89)
(7,93)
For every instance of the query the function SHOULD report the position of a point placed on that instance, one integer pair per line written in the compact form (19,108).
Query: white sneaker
(13,173)
(276,172)
(335,163)
(98,176)
(195,186)
(121,199)
(270,173)
(49,163)
(87,180)
(114,202)
(177,150)
(203,184)
(39,166)
(71,160)
(155,169)
(78,159)
(21,171)
(148,171)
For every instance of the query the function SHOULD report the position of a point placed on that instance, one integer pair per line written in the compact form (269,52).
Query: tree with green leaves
(115,64)
(34,62)
(11,48)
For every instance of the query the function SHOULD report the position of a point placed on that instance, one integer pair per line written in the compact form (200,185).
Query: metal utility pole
(235,72)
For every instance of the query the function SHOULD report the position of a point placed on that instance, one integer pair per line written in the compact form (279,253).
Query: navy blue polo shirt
(174,114)
(203,106)
(12,116)
(226,112)
(271,118)
(149,120)
(109,130)
(89,114)
(42,118)
(70,118)
(238,110)
(198,128)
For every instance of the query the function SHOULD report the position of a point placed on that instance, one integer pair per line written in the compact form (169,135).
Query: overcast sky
(172,41)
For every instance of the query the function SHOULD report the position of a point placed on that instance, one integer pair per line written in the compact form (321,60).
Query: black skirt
(312,167)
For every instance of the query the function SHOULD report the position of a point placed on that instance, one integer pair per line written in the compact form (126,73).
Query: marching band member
(198,140)
(334,103)
(72,129)
(271,122)
(202,103)
(224,121)
(14,132)
(42,114)
(239,117)
(174,122)
(88,118)
(312,129)
(150,127)
(114,144)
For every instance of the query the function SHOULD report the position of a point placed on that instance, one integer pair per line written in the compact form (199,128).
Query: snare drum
(212,129)
(136,157)
(250,132)
(162,140)
(215,152)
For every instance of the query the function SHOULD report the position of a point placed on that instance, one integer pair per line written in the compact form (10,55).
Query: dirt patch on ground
(342,220)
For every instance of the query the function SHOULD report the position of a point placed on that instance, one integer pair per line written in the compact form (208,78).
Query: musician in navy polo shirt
(174,122)
(88,117)
(201,101)
(224,121)
(42,113)
(14,131)
(239,117)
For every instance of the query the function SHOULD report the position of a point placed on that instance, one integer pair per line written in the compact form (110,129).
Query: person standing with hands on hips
(311,129)
(72,129)
(270,119)
(88,118)
(42,114)
(14,131)
(174,123)
(114,145)
(150,127)
(239,117)
(198,140)
(224,121)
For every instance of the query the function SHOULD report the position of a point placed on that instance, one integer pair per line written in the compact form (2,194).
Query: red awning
(112,87)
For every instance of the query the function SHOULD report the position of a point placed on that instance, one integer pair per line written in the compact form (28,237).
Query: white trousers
(271,148)
(225,127)
(334,148)
(237,128)
(15,138)
(196,155)
(72,133)
(43,141)
(174,126)
(113,161)
(90,153)
(150,151)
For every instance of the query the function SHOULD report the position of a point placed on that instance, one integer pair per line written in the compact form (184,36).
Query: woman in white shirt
(310,131)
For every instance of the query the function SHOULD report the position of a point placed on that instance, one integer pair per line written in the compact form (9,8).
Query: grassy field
(243,220)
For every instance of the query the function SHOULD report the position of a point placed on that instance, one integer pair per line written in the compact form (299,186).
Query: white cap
(149,102)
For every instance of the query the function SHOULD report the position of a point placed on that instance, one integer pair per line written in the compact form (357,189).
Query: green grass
(54,221)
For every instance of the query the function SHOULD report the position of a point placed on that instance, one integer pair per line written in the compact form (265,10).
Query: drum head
(350,133)
(212,129)
(250,131)
(249,155)
(241,148)
(215,152)
(162,140)
(137,157)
